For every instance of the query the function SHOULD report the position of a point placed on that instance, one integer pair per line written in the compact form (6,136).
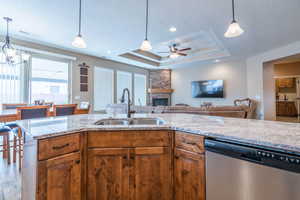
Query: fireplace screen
(160,102)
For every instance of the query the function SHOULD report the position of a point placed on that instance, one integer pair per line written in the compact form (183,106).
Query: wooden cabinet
(286,108)
(115,165)
(108,174)
(189,167)
(129,165)
(151,174)
(189,173)
(60,178)
(129,173)
(286,82)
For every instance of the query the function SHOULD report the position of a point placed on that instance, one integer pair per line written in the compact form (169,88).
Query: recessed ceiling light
(217,60)
(172,29)
(109,52)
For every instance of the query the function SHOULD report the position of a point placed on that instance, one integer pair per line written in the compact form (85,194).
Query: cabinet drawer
(60,145)
(129,139)
(189,142)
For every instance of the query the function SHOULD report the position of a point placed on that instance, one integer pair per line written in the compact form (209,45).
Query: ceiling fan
(174,52)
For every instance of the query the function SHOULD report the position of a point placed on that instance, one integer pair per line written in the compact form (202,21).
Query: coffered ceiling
(115,28)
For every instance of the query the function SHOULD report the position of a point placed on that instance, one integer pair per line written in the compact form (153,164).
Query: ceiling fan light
(234,30)
(79,42)
(146,45)
(174,55)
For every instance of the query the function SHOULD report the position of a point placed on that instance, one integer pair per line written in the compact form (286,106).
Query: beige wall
(233,73)
(90,61)
(269,94)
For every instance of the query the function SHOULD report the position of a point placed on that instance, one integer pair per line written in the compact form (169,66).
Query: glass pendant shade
(174,55)
(79,42)
(10,52)
(234,30)
(146,45)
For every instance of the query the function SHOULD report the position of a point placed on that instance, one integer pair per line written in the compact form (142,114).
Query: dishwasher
(241,172)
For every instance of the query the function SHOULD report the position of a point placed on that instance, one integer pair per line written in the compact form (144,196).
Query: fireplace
(160,101)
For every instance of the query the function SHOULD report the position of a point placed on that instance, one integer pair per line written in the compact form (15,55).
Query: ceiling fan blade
(182,54)
(164,52)
(186,49)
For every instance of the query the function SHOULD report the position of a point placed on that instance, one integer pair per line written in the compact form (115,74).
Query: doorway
(281,89)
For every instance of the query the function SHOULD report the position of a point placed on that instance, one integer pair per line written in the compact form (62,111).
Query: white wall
(233,73)
(255,71)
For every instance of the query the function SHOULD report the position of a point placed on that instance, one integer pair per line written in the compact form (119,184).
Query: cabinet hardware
(60,147)
(77,161)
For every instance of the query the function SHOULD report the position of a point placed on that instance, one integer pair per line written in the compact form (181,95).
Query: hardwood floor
(10,181)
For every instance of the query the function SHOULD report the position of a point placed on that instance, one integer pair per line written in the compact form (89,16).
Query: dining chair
(28,112)
(65,109)
(4,132)
(12,106)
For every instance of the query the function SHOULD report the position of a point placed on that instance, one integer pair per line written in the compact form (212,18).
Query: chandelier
(11,54)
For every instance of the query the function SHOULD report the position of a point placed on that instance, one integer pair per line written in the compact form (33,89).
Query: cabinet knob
(77,161)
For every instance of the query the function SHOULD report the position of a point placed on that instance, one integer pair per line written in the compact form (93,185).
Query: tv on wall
(208,89)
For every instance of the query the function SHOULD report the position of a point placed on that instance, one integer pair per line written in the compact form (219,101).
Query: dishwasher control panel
(279,157)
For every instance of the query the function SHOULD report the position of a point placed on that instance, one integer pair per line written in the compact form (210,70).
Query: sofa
(241,108)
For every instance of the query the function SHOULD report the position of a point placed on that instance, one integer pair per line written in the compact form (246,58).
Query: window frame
(28,75)
(115,85)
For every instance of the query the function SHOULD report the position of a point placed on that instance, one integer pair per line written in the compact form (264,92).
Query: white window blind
(10,81)
(50,80)
(140,93)
(124,80)
(103,88)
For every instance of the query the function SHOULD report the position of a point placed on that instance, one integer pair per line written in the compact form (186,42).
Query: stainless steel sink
(146,121)
(130,121)
(104,122)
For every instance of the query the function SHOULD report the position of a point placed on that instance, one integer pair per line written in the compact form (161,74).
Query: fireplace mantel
(159,91)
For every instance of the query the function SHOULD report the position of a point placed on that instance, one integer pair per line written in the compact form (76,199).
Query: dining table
(10,115)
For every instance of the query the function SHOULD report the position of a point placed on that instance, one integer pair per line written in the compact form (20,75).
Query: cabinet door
(189,173)
(151,173)
(60,178)
(108,174)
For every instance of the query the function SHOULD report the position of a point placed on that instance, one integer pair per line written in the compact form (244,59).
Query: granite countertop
(267,134)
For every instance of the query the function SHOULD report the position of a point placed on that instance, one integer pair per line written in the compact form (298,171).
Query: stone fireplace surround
(160,86)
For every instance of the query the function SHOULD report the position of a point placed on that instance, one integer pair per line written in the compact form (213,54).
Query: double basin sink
(130,121)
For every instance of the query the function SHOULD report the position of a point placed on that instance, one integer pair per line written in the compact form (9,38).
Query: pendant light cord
(233,12)
(79,33)
(147,13)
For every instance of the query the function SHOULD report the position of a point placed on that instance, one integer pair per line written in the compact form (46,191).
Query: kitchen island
(72,158)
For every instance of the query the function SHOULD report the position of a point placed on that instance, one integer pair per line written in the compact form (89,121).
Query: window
(49,80)
(140,94)
(124,80)
(103,88)
(11,82)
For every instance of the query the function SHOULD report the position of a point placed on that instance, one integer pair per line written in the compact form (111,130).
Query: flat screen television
(208,89)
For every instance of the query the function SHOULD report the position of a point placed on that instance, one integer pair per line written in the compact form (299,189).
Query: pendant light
(146,45)
(234,29)
(78,40)
(7,49)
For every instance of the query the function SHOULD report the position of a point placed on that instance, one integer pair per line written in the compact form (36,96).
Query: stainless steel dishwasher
(239,172)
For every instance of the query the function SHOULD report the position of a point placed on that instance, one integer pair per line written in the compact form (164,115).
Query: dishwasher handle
(232,150)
